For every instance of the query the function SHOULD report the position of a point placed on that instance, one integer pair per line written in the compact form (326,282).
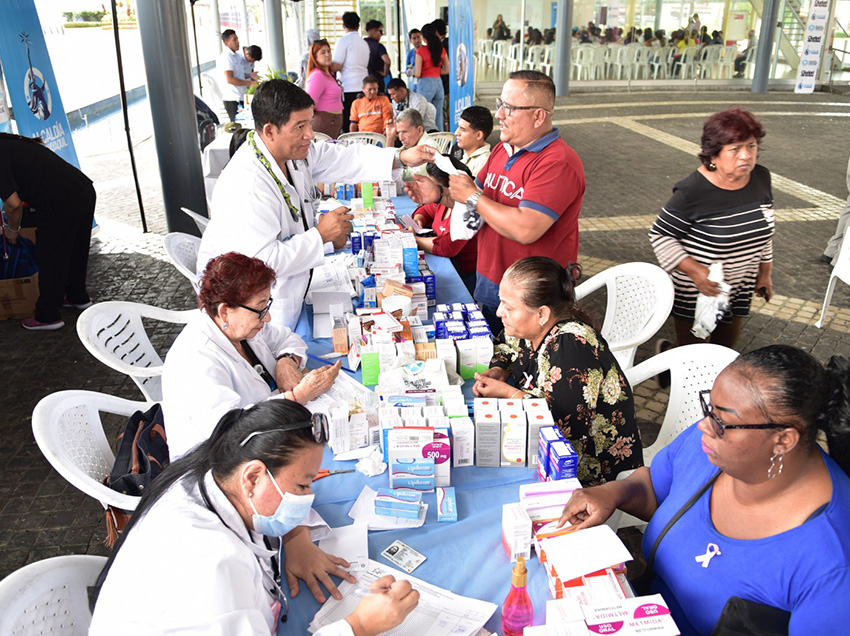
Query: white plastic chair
(709,61)
(623,63)
(444,140)
(840,271)
(50,596)
(374,139)
(726,66)
(749,63)
(68,430)
(320,136)
(513,62)
(692,368)
(182,249)
(546,62)
(535,56)
(200,220)
(687,63)
(660,64)
(212,93)
(640,297)
(485,47)
(113,332)
(500,54)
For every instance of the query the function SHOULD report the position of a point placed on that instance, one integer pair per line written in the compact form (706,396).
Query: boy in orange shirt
(372,112)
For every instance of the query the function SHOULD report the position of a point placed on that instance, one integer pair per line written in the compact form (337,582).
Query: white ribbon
(711,551)
(528,380)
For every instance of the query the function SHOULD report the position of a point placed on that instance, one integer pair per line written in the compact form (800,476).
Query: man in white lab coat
(264,201)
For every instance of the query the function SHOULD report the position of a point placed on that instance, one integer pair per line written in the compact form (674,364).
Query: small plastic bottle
(517,613)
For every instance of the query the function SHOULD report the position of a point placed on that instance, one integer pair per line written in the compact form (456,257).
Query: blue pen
(323,361)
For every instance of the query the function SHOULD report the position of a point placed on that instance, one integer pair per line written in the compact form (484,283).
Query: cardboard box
(18,297)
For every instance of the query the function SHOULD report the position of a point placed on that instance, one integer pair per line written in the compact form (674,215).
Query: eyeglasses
(318,421)
(717,423)
(261,313)
(509,109)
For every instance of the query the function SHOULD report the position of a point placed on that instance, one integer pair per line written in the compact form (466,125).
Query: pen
(323,361)
(364,592)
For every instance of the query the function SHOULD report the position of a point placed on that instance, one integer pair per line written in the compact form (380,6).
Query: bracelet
(11,229)
(518,391)
(398,157)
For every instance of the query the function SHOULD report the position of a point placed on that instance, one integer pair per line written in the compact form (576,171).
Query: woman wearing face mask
(202,544)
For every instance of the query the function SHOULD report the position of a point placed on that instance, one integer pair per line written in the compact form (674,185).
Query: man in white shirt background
(351,59)
(231,66)
(251,55)
(410,131)
(402,99)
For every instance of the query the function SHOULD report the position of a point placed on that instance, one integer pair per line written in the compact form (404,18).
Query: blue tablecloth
(465,557)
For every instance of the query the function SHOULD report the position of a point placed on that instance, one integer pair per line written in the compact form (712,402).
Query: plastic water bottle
(517,613)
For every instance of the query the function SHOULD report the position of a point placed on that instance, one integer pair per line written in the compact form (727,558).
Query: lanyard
(276,579)
(264,161)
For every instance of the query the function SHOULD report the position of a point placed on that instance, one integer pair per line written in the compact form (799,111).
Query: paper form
(351,543)
(439,613)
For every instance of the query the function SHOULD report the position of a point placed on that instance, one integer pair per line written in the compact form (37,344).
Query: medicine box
(415,474)
(516,531)
(398,503)
(562,460)
(514,439)
(631,617)
(488,440)
(446,504)
(463,441)
(546,436)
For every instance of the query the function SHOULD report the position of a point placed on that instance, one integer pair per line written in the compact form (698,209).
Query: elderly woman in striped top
(721,213)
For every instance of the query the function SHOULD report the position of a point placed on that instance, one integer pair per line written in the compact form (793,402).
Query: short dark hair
(255,52)
(374,24)
(275,101)
(440,26)
(350,20)
(225,35)
(396,83)
(371,79)
(537,82)
(479,118)
(729,126)
(413,32)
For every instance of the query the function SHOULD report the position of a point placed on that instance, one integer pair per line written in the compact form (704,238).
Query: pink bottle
(517,613)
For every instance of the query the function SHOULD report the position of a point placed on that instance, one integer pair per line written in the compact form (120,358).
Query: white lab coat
(250,215)
(204,377)
(186,570)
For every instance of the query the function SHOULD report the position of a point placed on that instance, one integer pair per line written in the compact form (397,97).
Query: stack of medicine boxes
(507,431)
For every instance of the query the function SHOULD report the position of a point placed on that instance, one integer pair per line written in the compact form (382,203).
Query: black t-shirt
(36,173)
(375,67)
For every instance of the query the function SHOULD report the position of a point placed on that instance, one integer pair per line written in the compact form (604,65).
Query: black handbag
(741,617)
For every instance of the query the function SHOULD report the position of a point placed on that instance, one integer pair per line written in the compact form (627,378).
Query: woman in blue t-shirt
(771,523)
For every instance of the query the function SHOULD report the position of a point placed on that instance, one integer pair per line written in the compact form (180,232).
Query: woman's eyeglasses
(318,422)
(261,313)
(717,423)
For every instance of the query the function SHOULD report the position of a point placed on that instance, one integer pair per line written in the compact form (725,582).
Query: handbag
(142,455)
(741,617)
(643,583)
(18,259)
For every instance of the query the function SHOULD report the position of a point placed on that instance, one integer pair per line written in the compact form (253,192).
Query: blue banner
(33,92)
(462,63)
(5,124)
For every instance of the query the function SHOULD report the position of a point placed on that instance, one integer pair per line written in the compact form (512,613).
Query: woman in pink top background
(322,86)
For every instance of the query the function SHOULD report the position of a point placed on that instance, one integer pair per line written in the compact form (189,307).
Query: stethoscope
(276,579)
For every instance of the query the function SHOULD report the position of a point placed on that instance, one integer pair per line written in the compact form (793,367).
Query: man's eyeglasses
(717,423)
(509,109)
(318,422)
(261,313)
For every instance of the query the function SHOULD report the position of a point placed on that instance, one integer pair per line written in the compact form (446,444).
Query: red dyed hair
(233,279)
(312,62)
(730,126)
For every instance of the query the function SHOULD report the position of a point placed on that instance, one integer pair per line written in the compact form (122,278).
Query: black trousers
(231,108)
(347,101)
(62,243)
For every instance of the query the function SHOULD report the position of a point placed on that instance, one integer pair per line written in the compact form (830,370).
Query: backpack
(142,455)
(21,259)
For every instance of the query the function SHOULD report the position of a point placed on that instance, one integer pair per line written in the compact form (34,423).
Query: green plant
(270,74)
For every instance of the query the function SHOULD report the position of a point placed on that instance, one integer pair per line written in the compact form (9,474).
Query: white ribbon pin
(711,551)
(529,379)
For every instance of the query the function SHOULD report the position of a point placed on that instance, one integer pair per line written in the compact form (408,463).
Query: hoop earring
(224,326)
(711,166)
(773,462)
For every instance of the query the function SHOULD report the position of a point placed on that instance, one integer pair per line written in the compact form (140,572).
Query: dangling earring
(712,167)
(224,326)
(773,462)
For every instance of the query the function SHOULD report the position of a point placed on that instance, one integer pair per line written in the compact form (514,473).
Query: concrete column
(563,38)
(630,16)
(769,16)
(165,48)
(522,30)
(246,36)
(274,35)
(216,18)
(658,6)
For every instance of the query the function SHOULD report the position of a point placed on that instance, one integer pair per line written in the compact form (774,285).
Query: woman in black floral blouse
(550,350)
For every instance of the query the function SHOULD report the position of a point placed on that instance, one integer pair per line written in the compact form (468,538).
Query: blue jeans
(431,88)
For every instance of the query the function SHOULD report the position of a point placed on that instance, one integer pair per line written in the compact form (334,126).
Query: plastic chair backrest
(113,332)
(182,249)
(320,136)
(214,95)
(640,297)
(841,271)
(374,139)
(50,596)
(200,220)
(68,430)
(692,369)
(444,140)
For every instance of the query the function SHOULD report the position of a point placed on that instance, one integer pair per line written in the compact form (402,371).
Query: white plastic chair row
(841,271)
(50,596)
(113,332)
(374,139)
(68,430)
(640,297)
(444,140)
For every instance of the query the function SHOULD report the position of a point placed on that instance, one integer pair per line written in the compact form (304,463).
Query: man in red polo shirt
(529,192)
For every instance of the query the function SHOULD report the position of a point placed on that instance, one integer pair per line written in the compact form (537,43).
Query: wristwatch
(398,157)
(291,356)
(472,201)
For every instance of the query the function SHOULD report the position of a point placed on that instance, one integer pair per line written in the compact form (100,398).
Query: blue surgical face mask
(291,512)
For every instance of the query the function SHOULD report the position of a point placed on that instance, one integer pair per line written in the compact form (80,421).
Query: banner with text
(33,92)
(461,61)
(807,71)
(5,124)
